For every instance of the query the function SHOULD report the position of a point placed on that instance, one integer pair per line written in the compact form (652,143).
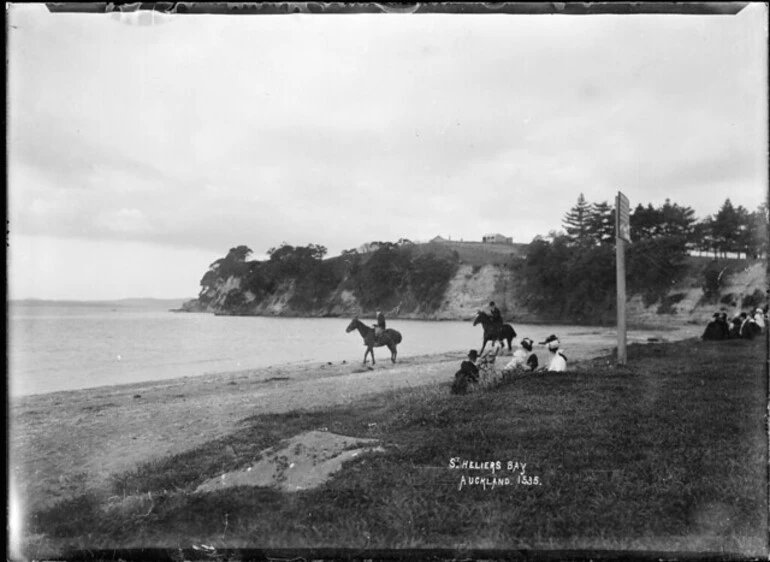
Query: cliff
(440,283)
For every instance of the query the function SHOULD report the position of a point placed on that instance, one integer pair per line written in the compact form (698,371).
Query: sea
(62,347)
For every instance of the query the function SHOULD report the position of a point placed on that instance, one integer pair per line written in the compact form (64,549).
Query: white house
(496,239)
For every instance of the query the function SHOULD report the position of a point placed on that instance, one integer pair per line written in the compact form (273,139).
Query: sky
(141,150)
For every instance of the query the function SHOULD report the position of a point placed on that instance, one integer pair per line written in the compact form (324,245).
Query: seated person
(735,327)
(468,372)
(749,327)
(714,329)
(523,358)
(557,361)
(724,325)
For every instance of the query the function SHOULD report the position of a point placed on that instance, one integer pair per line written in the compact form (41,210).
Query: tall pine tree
(577,222)
(725,228)
(601,223)
(676,220)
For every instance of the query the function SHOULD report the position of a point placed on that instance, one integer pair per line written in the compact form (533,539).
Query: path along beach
(65,443)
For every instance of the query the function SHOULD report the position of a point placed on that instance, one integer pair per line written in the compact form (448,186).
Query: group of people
(744,325)
(524,358)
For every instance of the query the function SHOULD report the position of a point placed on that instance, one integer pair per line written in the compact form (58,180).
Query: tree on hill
(726,227)
(759,232)
(676,220)
(703,237)
(601,223)
(577,222)
(645,222)
(233,264)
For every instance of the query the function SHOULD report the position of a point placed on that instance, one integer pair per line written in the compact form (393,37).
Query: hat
(473,355)
(526,343)
(552,342)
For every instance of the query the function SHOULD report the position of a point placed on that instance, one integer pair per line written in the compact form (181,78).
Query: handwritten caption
(504,473)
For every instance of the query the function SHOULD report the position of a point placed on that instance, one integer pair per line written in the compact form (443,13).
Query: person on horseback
(379,327)
(495,316)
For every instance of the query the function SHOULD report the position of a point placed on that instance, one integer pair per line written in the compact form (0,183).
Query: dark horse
(389,337)
(493,332)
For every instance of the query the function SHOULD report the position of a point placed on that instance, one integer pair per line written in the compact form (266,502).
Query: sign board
(623,218)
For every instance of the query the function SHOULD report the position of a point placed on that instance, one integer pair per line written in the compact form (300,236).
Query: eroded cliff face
(684,301)
(472,287)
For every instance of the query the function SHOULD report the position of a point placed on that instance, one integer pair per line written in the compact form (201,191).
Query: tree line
(386,275)
(570,275)
(731,230)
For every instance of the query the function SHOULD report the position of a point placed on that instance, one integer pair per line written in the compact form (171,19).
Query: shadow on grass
(666,454)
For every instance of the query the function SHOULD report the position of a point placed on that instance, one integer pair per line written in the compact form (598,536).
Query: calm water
(57,348)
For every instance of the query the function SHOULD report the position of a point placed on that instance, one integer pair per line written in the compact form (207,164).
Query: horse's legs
(483,345)
(392,353)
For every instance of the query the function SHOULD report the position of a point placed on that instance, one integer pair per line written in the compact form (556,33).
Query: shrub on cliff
(380,279)
(429,278)
(234,264)
(654,265)
(574,282)
(394,274)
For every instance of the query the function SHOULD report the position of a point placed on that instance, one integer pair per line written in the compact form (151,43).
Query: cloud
(123,221)
(213,132)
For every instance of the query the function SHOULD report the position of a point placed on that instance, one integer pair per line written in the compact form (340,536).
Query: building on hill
(439,239)
(496,239)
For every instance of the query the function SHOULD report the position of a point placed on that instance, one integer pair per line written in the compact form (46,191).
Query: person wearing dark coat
(735,327)
(714,331)
(724,325)
(749,328)
(495,314)
(468,372)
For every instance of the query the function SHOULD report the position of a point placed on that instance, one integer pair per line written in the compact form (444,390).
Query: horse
(389,337)
(492,332)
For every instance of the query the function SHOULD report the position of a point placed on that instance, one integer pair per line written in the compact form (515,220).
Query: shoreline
(669,326)
(65,443)
(578,338)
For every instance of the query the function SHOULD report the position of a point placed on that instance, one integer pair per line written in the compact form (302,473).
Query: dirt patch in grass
(303,462)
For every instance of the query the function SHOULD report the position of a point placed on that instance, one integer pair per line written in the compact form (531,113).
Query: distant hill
(483,253)
(119,303)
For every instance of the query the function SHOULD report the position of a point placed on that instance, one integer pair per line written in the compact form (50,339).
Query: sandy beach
(67,442)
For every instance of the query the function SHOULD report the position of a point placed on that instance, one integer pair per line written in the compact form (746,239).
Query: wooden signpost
(622,237)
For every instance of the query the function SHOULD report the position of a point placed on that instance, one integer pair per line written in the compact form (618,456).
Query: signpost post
(622,237)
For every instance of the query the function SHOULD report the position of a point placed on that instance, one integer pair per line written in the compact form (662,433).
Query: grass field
(667,454)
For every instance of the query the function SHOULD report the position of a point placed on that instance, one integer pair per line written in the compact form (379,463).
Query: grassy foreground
(667,454)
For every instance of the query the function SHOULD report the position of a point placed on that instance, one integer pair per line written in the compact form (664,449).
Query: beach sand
(65,443)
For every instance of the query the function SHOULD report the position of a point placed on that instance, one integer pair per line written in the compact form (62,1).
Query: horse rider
(379,328)
(495,316)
